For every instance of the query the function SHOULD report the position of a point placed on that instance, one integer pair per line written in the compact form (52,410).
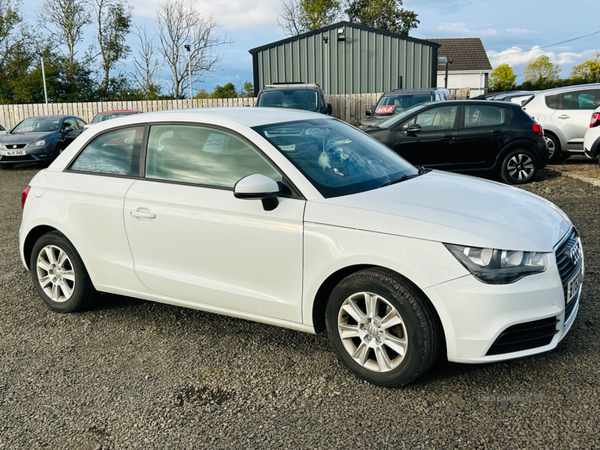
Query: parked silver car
(564,113)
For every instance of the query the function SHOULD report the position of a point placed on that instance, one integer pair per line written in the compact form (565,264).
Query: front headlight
(494,266)
(2,146)
(37,143)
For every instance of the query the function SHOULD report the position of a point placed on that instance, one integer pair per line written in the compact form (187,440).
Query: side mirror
(369,112)
(414,129)
(258,187)
(68,130)
(328,109)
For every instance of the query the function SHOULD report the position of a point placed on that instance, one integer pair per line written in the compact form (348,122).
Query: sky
(512,31)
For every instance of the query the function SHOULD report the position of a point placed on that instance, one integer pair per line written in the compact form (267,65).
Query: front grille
(525,336)
(22,158)
(14,146)
(569,259)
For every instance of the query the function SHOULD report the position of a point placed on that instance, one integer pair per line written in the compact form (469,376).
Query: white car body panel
(203,248)
(571,125)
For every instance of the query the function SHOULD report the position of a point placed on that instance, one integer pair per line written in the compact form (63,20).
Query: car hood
(449,208)
(24,138)
(373,121)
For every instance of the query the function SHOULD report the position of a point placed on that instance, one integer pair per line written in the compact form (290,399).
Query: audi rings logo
(575,254)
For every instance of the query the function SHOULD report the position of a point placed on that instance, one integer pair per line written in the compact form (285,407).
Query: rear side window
(484,116)
(553,101)
(582,99)
(114,153)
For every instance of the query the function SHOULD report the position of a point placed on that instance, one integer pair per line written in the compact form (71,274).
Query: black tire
(59,275)
(415,324)
(555,155)
(518,167)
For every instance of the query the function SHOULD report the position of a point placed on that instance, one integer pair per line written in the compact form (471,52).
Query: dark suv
(468,136)
(398,101)
(308,97)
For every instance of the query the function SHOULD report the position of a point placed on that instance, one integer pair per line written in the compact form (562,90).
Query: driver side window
(441,118)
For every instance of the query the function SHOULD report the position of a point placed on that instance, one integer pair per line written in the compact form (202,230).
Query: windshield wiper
(421,171)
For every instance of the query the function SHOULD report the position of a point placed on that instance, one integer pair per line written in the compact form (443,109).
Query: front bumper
(35,154)
(487,323)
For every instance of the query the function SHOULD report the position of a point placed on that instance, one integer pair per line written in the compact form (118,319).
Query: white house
(468,64)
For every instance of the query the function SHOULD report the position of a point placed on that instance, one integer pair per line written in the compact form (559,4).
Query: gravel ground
(135,374)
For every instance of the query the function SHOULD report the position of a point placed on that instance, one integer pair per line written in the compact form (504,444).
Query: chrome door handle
(564,116)
(143,214)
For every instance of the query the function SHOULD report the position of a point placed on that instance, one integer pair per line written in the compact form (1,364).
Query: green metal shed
(347,58)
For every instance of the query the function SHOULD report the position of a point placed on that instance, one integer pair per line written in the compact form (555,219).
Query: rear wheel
(59,275)
(555,156)
(381,328)
(518,167)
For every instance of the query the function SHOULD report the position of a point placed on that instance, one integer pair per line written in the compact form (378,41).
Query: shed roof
(465,54)
(429,42)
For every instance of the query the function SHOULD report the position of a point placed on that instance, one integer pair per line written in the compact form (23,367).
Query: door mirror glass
(328,109)
(368,112)
(414,129)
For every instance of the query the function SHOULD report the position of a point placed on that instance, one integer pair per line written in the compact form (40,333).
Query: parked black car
(38,139)
(468,136)
(307,97)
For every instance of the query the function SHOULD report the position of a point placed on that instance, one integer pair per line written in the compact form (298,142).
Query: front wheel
(518,167)
(59,275)
(381,328)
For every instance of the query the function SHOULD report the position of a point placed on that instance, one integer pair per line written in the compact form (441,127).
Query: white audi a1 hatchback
(299,220)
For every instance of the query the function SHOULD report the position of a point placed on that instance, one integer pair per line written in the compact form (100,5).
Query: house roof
(465,54)
(429,42)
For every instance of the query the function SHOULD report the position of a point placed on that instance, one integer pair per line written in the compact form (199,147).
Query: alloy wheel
(520,167)
(372,332)
(55,273)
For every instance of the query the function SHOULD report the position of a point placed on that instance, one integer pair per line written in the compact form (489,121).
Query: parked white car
(591,140)
(564,113)
(298,220)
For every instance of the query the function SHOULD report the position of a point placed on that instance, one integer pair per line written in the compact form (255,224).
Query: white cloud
(519,31)
(516,56)
(232,14)
(461,28)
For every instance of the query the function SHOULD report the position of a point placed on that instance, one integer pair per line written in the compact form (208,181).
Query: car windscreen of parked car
(337,159)
(304,99)
(37,125)
(395,104)
(396,118)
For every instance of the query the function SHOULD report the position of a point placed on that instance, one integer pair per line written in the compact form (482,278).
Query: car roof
(415,91)
(133,111)
(248,116)
(569,88)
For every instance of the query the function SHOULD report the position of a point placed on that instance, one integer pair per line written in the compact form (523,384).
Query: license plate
(574,285)
(15,152)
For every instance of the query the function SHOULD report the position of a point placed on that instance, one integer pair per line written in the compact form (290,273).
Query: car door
(573,118)
(431,144)
(193,241)
(483,132)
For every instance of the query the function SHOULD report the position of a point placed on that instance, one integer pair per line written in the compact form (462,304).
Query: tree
(588,71)
(502,78)
(246,91)
(541,72)
(146,65)
(299,16)
(227,91)
(202,94)
(179,26)
(68,17)
(113,22)
(382,14)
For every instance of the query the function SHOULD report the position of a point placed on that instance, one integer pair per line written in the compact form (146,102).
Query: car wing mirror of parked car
(368,112)
(328,109)
(68,130)
(258,187)
(414,129)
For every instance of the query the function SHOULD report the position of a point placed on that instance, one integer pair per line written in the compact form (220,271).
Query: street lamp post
(44,78)
(187,47)
(326,40)
(444,60)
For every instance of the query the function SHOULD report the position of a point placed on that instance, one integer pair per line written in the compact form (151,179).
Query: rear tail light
(24,196)
(595,120)
(537,129)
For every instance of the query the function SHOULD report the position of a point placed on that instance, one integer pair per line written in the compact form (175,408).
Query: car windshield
(305,99)
(399,117)
(336,158)
(395,104)
(107,116)
(37,125)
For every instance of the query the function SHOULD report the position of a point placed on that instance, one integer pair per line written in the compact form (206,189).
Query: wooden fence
(349,108)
